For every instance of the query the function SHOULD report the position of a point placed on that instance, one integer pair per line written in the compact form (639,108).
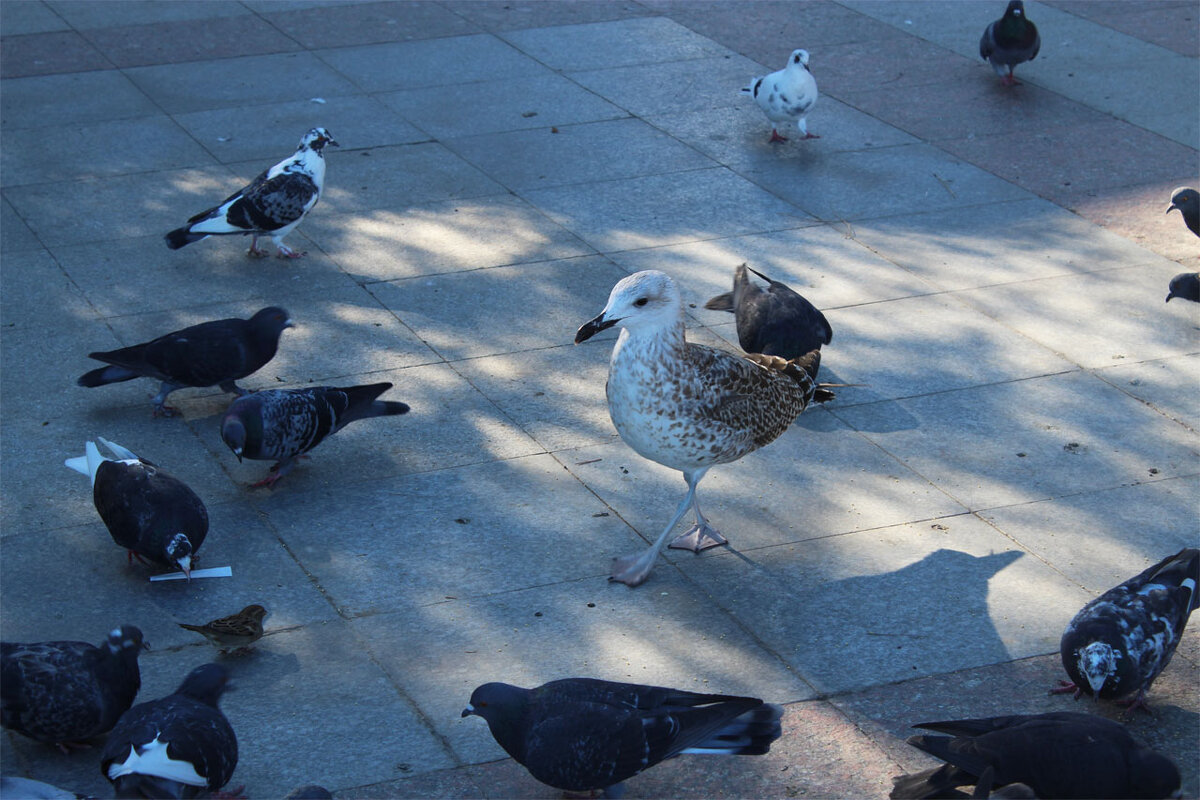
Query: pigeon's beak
(332,142)
(468,711)
(1169,296)
(1172,207)
(185,565)
(237,451)
(594,326)
(287,323)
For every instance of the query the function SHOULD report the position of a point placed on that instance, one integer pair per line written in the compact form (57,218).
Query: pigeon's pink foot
(1010,80)
(165,411)
(1137,703)
(775,137)
(268,481)
(230,794)
(132,555)
(1066,687)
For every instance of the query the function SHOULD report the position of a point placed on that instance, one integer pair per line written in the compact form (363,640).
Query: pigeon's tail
(88,463)
(1182,570)
(361,403)
(722,302)
(105,375)
(936,782)
(183,236)
(751,734)
(135,785)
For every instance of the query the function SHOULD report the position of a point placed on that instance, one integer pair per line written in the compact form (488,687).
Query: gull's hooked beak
(594,326)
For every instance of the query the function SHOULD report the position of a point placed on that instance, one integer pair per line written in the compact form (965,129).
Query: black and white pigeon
(62,693)
(282,424)
(215,353)
(1061,755)
(178,746)
(272,205)
(1118,644)
(1009,41)
(786,95)
(153,515)
(776,321)
(1187,200)
(1185,286)
(582,734)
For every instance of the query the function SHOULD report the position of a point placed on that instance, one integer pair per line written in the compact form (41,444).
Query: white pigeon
(272,205)
(787,95)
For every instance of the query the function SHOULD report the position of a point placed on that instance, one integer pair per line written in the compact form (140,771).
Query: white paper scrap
(210,572)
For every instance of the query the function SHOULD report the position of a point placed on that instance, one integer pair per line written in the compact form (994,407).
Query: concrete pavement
(993,263)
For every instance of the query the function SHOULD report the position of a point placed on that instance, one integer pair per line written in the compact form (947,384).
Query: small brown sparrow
(238,630)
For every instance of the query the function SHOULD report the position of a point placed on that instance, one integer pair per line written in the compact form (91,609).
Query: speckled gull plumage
(688,406)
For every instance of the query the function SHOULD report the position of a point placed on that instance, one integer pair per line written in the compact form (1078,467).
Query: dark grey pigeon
(62,693)
(153,515)
(1009,41)
(1061,755)
(1118,643)
(1188,202)
(1185,286)
(178,746)
(273,204)
(281,424)
(776,321)
(209,354)
(581,734)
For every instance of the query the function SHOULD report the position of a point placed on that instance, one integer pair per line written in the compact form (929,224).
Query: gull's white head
(646,300)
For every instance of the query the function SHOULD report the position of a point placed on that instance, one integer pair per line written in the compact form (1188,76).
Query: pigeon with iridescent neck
(1009,41)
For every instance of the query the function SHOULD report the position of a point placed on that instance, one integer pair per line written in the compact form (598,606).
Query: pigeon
(208,354)
(582,734)
(272,205)
(1185,286)
(284,423)
(153,515)
(178,746)
(774,322)
(237,631)
(1061,755)
(1118,643)
(688,406)
(1009,41)
(61,693)
(786,95)
(1188,202)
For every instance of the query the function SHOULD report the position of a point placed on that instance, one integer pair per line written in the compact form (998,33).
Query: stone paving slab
(995,277)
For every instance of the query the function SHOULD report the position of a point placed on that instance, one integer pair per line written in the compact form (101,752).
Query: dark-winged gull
(1061,754)
(688,406)
(1009,41)
(272,204)
(776,321)
(583,734)
(1119,643)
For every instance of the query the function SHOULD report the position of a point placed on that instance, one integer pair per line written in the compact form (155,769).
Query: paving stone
(17,236)
(522,14)
(29,16)
(231,135)
(999,243)
(970,442)
(453,60)
(33,273)
(707,84)
(367,23)
(1167,385)
(527,306)
(646,40)
(894,592)
(78,97)
(1095,320)
(531,160)
(84,14)
(1136,213)
(902,179)
(66,153)
(239,82)
(899,62)
(174,42)
(445,236)
(1168,24)
(49,53)
(738,135)
(673,636)
(631,213)
(539,101)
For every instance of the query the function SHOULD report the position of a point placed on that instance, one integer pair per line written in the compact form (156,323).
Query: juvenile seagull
(1119,643)
(776,321)
(688,406)
(237,631)
(151,514)
(1187,201)
(215,353)
(1009,41)
(272,205)
(583,734)
(786,95)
